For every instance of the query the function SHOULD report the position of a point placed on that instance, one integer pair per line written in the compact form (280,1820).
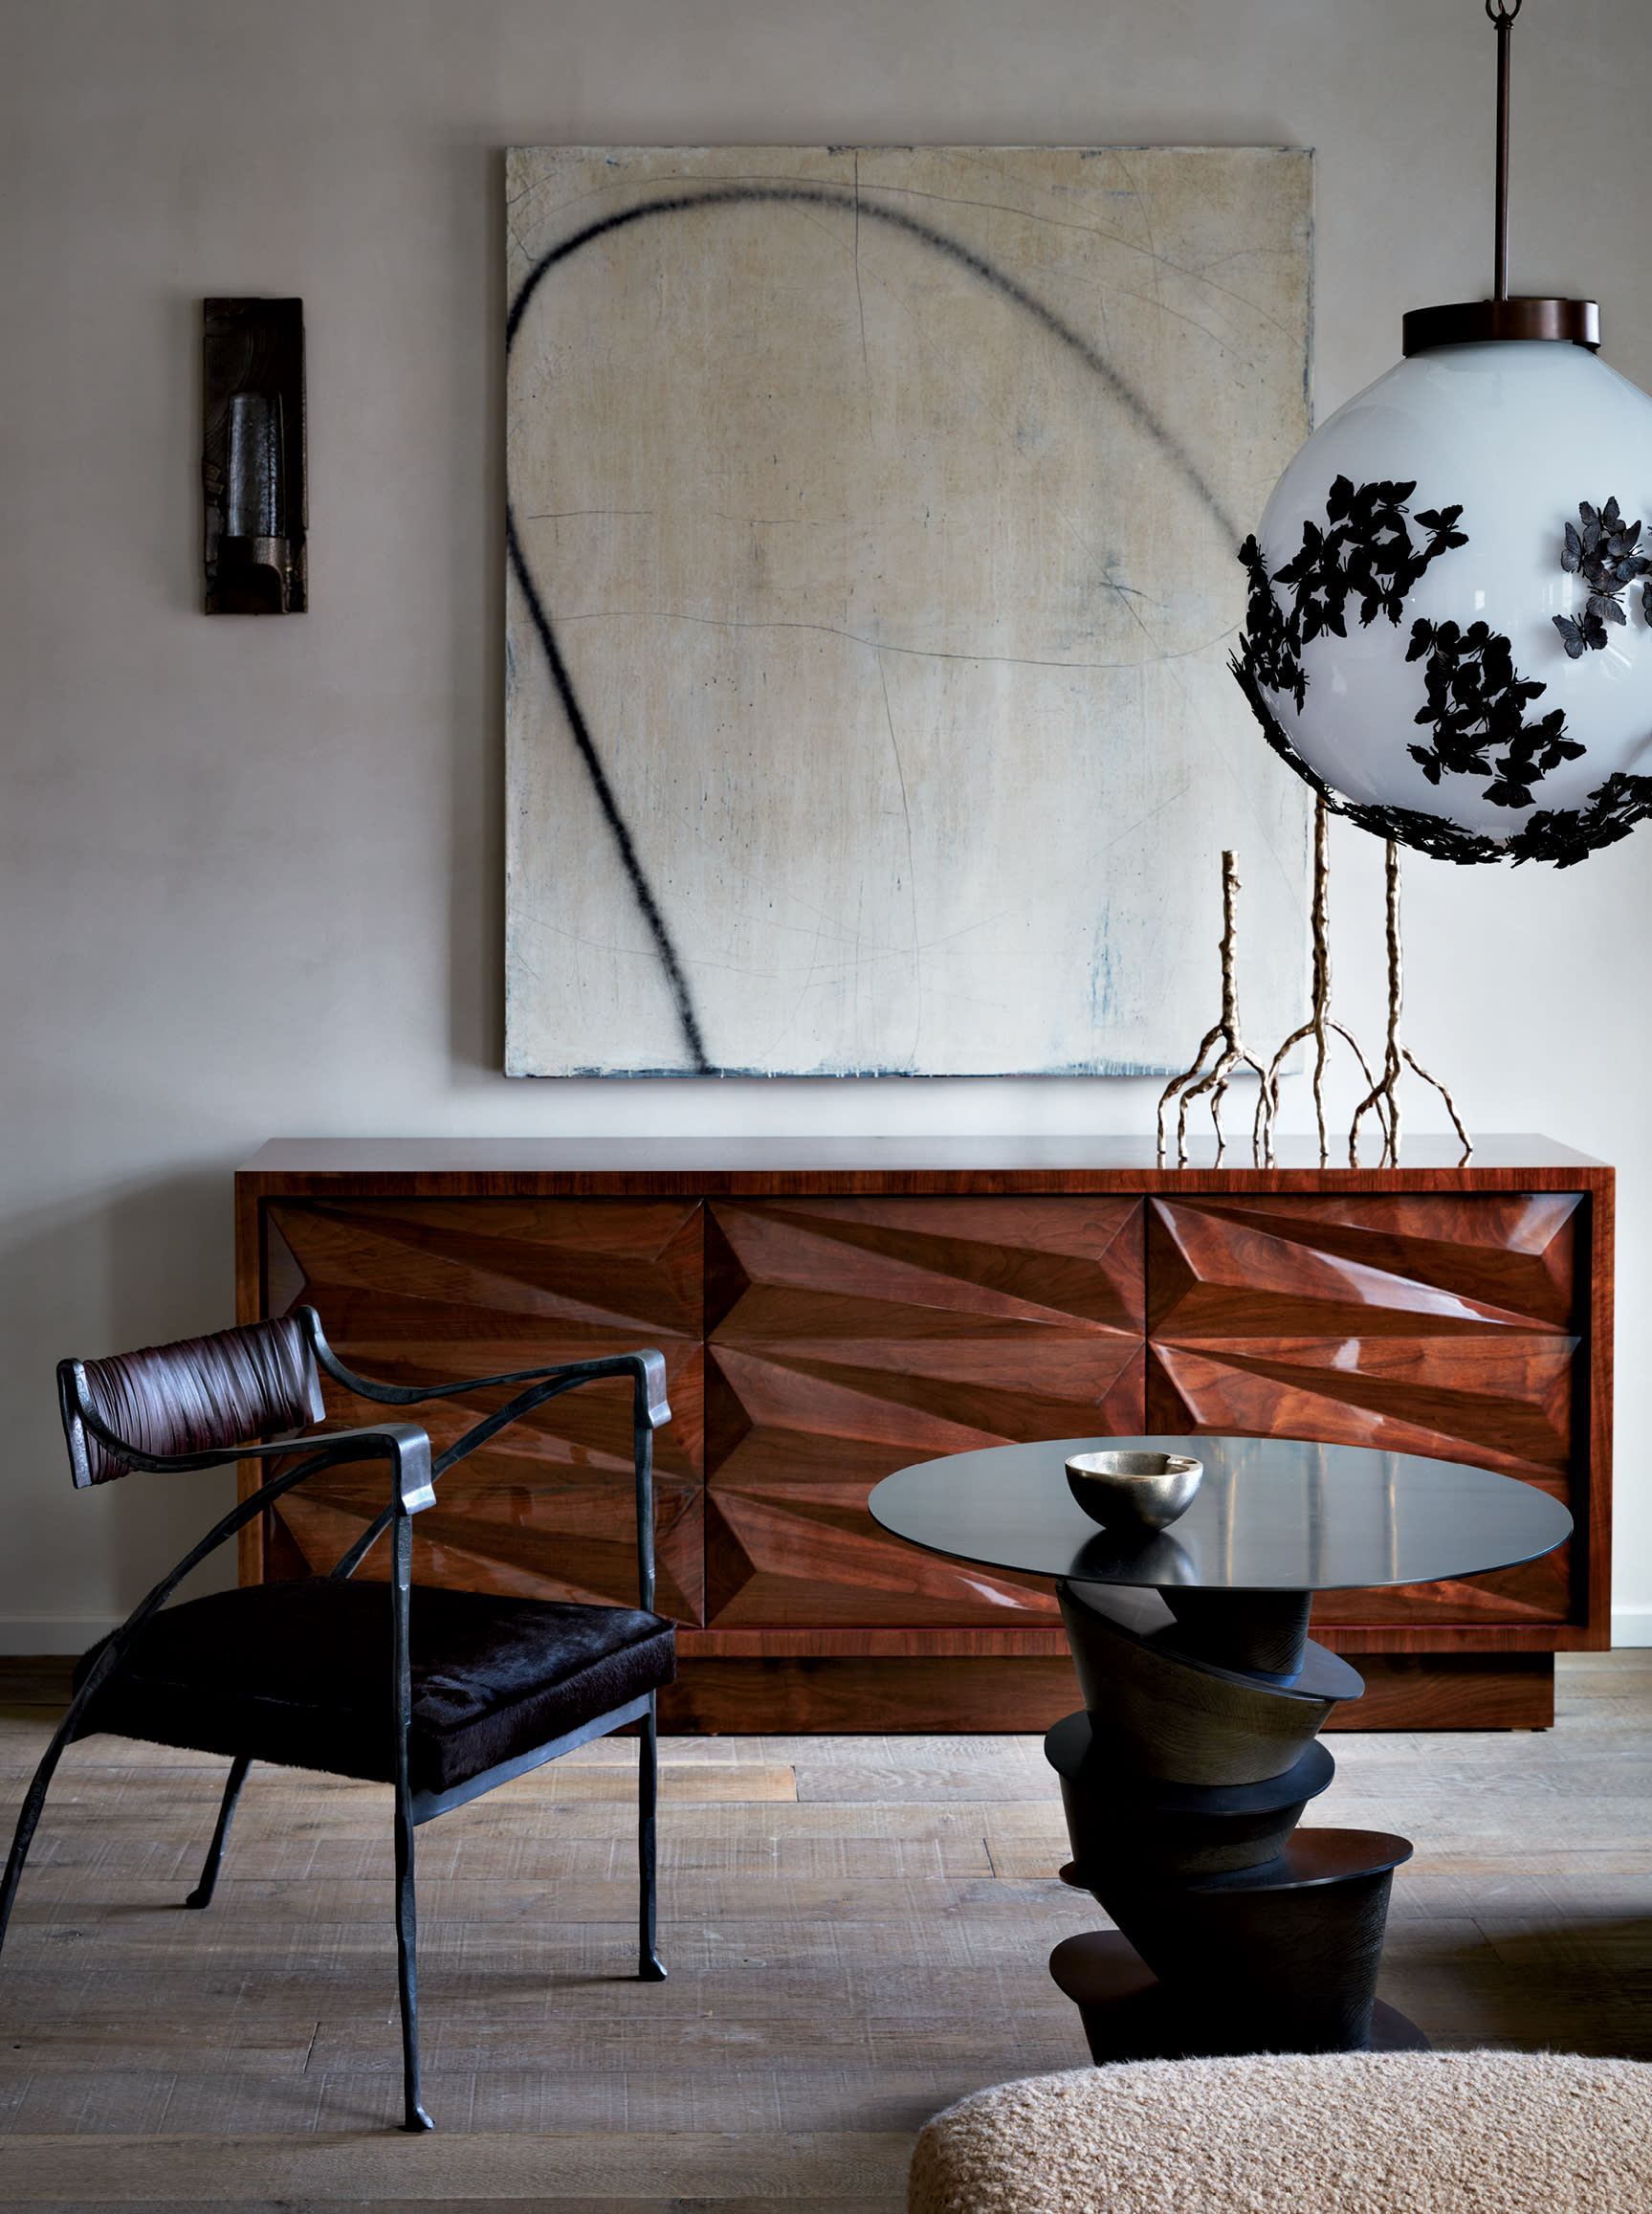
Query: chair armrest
(650,1411)
(404,1444)
(646,1368)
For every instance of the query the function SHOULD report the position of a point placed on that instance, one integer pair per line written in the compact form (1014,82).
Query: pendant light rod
(1477,322)
(1503,14)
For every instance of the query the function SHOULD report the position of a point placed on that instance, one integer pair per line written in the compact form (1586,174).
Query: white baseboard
(65,1633)
(1632,1626)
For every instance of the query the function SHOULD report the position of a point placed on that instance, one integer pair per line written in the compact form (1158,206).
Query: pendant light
(1449,632)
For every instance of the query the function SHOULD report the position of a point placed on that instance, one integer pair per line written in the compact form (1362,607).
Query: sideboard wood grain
(831,1311)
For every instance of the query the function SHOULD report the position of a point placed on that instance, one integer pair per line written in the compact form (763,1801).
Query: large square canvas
(872,530)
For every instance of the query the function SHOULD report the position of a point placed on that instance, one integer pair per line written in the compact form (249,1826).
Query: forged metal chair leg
(202,1895)
(28,1816)
(414,2117)
(651,1968)
(407,1970)
(35,1797)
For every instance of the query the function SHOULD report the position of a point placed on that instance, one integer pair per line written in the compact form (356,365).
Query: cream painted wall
(252,874)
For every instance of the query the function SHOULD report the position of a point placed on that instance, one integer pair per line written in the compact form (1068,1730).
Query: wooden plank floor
(856,1930)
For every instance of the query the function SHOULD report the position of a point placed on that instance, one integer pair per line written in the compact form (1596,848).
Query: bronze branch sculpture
(1381,1097)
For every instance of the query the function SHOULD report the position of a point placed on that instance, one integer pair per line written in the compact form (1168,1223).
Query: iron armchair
(444,1696)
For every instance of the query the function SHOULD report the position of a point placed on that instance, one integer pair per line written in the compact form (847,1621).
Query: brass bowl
(1133,1494)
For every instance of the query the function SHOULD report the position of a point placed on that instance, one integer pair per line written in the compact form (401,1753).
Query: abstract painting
(872,530)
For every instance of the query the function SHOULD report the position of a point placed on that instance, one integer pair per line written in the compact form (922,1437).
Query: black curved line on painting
(609,806)
(804,195)
(810,195)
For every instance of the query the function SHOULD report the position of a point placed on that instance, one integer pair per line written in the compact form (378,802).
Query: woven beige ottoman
(1337,2133)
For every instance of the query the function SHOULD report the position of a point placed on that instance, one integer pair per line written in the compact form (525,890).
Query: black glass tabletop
(1270,1514)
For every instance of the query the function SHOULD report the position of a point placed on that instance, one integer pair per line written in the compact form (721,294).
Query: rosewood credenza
(832,1310)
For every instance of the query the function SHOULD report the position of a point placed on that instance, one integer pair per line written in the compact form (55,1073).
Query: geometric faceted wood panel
(427,1291)
(827,1316)
(851,1335)
(1437,1324)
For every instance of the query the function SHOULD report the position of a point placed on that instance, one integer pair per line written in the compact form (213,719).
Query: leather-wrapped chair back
(197,1396)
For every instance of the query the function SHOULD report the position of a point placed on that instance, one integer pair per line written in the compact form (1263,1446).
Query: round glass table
(1198,1748)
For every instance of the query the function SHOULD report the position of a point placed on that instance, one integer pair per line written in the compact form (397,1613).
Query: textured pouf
(1339,2132)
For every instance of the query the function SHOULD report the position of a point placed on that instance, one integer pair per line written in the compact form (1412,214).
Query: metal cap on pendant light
(1448,633)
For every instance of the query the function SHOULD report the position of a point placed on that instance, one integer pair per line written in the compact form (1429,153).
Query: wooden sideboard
(832,1310)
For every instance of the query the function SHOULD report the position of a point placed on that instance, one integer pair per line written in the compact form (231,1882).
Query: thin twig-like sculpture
(1193,1083)
(1383,1096)
(1320,1025)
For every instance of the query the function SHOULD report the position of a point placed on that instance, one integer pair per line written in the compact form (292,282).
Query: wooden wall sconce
(253,456)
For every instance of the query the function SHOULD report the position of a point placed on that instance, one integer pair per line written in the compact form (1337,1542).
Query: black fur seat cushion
(299,1673)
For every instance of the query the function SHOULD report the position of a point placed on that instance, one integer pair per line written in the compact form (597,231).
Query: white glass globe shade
(1409,664)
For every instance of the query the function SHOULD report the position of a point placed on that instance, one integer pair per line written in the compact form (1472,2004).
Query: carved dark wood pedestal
(1129,2015)
(1238,1931)
(1186,1774)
